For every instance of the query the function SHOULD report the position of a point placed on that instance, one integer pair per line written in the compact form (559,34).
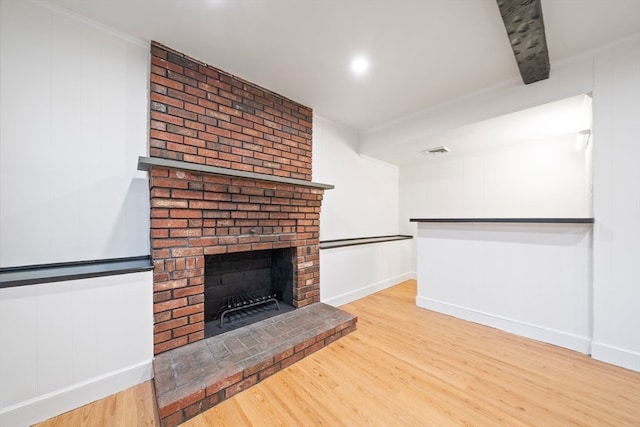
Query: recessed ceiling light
(359,65)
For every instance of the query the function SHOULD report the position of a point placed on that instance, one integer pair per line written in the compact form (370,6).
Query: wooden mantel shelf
(510,220)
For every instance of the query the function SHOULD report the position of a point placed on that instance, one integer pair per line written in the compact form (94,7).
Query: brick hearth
(196,377)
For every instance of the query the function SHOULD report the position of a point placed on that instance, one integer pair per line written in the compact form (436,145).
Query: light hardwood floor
(135,406)
(407,366)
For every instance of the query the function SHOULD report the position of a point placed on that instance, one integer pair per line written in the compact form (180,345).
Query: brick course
(201,114)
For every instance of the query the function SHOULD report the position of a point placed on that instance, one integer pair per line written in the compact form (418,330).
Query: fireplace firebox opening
(242,288)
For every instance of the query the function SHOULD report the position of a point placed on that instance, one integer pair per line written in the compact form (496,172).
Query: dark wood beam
(525,28)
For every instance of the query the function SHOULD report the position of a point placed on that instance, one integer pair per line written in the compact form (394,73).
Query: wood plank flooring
(135,406)
(407,366)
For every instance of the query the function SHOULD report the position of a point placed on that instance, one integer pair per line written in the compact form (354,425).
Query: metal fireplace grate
(244,302)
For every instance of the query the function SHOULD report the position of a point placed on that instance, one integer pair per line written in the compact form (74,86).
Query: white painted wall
(365,200)
(547,178)
(66,344)
(543,178)
(533,280)
(352,272)
(363,204)
(530,279)
(73,121)
(616,193)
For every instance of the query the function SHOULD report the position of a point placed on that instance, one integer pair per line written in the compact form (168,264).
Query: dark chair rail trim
(339,243)
(513,220)
(46,273)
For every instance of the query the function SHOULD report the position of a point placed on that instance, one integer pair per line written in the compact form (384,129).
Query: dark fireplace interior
(242,288)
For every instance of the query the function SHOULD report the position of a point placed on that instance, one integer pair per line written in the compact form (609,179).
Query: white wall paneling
(364,202)
(73,116)
(73,121)
(616,104)
(352,272)
(529,279)
(65,344)
(547,178)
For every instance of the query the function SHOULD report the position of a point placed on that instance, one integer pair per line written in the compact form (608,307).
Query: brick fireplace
(230,183)
(230,171)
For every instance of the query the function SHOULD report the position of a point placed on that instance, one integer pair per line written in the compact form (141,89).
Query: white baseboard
(57,402)
(363,291)
(616,356)
(539,333)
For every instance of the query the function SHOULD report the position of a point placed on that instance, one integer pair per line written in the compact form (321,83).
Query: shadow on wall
(130,230)
(106,219)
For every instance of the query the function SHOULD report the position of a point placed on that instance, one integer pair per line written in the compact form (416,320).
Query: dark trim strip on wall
(339,243)
(58,272)
(512,220)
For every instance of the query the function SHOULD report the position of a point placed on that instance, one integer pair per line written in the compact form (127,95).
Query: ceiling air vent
(435,150)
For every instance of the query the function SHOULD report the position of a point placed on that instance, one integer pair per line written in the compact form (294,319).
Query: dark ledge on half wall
(331,244)
(145,163)
(46,273)
(511,220)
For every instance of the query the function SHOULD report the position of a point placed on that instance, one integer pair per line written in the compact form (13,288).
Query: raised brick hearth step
(193,378)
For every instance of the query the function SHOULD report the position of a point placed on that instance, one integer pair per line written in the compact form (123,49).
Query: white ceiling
(423,53)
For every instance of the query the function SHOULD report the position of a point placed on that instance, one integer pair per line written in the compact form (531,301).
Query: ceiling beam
(525,28)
